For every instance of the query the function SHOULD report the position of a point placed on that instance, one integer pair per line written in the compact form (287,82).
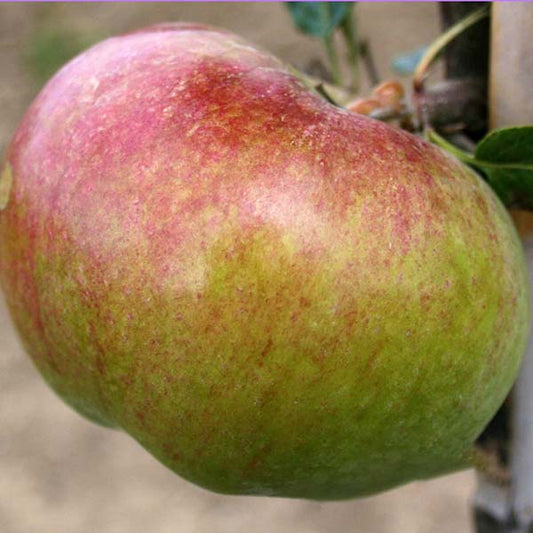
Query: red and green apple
(273,295)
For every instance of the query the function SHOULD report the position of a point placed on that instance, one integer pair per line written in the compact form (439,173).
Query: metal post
(511,103)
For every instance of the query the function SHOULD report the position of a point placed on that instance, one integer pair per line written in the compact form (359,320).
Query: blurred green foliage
(322,20)
(50,48)
(319,19)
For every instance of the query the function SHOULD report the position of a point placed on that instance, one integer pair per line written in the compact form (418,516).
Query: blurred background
(60,473)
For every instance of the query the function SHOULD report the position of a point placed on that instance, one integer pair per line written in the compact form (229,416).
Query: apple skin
(272,295)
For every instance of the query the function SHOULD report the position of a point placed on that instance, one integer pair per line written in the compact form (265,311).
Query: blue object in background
(405,64)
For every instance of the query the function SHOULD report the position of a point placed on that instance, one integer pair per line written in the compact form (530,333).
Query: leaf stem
(469,158)
(462,155)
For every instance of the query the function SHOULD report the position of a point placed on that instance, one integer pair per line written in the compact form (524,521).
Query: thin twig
(433,52)
(440,43)
(370,65)
(349,32)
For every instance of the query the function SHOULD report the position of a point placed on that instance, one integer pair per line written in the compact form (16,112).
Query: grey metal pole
(522,440)
(511,103)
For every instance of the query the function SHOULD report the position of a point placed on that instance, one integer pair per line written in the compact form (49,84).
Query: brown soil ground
(60,473)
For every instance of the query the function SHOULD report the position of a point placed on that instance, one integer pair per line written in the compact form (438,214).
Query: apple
(271,294)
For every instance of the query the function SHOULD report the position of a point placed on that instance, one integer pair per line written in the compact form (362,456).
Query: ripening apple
(273,295)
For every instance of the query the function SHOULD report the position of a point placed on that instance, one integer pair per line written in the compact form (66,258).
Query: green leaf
(506,157)
(319,19)
(507,145)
